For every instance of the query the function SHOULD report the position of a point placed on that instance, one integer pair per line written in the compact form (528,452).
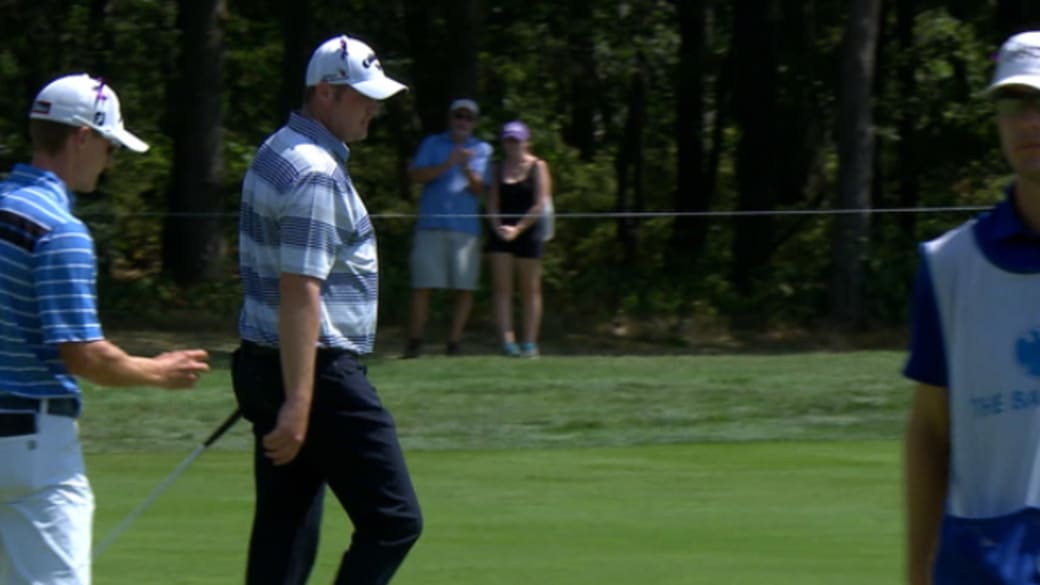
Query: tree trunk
(1015,16)
(755,99)
(428,100)
(580,130)
(193,246)
(908,184)
(856,155)
(443,45)
(100,39)
(629,167)
(465,18)
(692,194)
(297,47)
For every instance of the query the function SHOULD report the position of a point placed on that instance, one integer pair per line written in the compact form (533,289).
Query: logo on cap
(100,89)
(41,107)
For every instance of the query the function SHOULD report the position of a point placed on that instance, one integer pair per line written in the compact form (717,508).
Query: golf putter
(159,489)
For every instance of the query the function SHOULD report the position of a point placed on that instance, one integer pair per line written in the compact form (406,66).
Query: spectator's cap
(464,104)
(1018,62)
(516,130)
(345,61)
(81,100)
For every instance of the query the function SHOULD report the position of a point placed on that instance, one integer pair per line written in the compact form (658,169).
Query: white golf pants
(46,506)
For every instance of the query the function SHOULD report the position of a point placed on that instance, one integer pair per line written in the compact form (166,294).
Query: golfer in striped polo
(310,277)
(973,440)
(49,332)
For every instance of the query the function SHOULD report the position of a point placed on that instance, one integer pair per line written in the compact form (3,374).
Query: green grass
(573,470)
(784,513)
(499,403)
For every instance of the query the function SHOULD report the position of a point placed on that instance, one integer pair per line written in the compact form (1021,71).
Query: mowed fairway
(547,505)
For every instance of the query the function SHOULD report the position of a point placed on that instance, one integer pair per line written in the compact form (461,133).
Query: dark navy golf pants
(351,447)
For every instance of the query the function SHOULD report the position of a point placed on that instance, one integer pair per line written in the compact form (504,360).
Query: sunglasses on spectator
(1013,104)
(462,115)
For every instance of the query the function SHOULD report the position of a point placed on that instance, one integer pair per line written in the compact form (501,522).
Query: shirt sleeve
(927,360)
(309,234)
(65,279)
(425,155)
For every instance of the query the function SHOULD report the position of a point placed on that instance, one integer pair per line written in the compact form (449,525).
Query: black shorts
(527,245)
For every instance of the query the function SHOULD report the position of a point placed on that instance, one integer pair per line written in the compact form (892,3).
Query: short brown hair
(49,136)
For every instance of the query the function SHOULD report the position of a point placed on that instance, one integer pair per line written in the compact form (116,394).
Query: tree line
(760,110)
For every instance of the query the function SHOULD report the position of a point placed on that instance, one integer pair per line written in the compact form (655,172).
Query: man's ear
(81,134)
(324,91)
(77,139)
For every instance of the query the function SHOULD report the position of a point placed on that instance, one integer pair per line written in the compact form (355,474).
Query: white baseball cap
(345,61)
(1018,62)
(82,100)
(464,104)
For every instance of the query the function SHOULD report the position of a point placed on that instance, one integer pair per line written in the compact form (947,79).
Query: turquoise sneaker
(529,349)
(511,349)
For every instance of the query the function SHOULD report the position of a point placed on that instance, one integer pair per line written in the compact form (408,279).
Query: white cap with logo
(1018,62)
(82,100)
(345,61)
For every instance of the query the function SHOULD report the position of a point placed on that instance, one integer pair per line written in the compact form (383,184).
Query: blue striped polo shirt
(47,284)
(300,214)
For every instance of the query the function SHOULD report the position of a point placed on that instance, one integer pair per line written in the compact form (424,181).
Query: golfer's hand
(283,443)
(181,369)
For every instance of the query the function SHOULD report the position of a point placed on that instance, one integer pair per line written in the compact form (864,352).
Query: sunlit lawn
(577,470)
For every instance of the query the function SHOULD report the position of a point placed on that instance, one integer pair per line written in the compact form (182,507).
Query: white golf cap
(464,104)
(1018,62)
(82,100)
(345,61)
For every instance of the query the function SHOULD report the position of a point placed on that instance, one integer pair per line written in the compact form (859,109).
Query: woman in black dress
(519,192)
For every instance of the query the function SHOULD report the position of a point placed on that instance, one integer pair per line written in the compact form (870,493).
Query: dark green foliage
(767,142)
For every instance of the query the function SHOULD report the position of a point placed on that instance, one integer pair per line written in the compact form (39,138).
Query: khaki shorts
(445,259)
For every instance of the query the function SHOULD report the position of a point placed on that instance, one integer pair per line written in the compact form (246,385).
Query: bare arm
(926,469)
(493,202)
(106,364)
(298,323)
(542,192)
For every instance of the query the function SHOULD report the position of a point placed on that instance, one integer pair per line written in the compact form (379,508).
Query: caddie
(973,439)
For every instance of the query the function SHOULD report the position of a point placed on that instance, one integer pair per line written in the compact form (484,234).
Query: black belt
(22,421)
(264,351)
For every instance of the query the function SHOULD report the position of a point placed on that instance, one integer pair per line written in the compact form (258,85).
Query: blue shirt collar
(1006,240)
(321,136)
(1006,221)
(26,175)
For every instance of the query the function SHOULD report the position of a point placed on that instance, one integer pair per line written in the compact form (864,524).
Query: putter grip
(224,426)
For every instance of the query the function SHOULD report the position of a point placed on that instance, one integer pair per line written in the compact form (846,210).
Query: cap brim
(379,89)
(128,140)
(1031,81)
(514,136)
